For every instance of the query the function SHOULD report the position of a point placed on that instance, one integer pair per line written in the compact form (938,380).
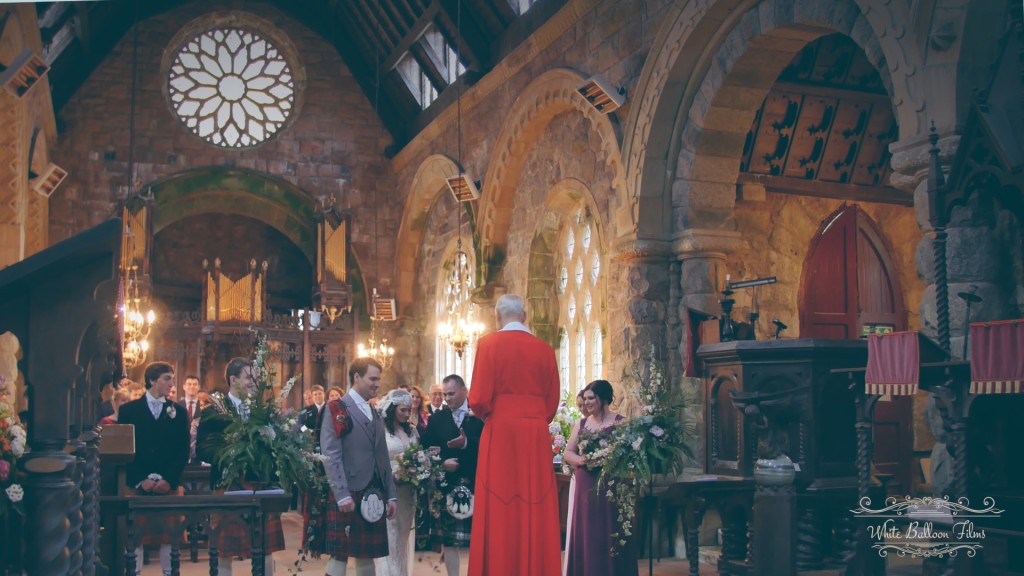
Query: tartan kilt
(156,530)
(233,536)
(363,540)
(450,531)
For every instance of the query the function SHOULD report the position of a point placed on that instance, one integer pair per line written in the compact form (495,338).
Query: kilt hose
(233,535)
(342,534)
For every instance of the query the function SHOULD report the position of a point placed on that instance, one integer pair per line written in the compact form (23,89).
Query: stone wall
(776,235)
(333,146)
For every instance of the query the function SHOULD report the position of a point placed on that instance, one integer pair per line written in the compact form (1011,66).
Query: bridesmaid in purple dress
(593,516)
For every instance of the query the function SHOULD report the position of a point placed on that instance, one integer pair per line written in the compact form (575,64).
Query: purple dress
(593,518)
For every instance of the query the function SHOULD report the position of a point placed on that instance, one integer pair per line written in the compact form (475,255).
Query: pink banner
(997,357)
(894,364)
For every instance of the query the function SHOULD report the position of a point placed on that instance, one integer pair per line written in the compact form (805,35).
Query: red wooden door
(849,282)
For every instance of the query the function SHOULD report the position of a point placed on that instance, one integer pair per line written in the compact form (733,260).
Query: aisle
(426,565)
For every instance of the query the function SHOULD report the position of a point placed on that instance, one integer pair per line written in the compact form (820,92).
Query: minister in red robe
(515,391)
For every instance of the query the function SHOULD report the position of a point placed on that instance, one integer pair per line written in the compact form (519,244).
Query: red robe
(515,510)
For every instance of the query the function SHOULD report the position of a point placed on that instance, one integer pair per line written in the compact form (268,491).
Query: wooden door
(850,287)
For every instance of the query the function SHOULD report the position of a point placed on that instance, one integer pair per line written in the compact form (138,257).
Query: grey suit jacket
(353,459)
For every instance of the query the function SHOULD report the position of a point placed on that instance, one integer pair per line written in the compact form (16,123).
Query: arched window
(446,359)
(581,303)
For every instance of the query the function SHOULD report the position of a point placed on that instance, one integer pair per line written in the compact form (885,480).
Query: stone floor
(430,564)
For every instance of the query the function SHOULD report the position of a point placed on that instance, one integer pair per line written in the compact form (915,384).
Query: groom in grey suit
(352,437)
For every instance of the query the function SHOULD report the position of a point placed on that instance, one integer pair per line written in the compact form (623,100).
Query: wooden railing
(210,512)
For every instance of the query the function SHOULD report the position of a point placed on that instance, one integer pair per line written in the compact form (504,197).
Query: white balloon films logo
(926,527)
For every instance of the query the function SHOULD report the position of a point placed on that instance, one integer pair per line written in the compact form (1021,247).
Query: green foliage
(655,440)
(264,445)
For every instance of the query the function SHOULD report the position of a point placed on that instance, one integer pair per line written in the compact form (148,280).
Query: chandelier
(459,329)
(374,348)
(135,324)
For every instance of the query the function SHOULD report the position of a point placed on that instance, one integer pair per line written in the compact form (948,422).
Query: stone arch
(274,202)
(541,295)
(549,95)
(713,60)
(427,186)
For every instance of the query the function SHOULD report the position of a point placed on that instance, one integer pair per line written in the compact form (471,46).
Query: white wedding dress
(401,539)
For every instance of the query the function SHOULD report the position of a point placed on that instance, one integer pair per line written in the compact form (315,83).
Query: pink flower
(657,431)
(5,470)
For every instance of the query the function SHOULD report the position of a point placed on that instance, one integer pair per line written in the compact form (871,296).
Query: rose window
(231,87)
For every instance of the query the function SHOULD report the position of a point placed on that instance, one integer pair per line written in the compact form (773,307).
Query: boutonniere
(171,411)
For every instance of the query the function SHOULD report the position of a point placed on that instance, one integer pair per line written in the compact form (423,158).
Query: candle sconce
(728,330)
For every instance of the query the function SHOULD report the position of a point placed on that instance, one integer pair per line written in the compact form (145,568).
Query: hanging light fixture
(135,317)
(459,329)
(383,308)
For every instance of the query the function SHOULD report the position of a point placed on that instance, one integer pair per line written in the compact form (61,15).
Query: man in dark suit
(161,449)
(352,438)
(310,415)
(436,398)
(455,431)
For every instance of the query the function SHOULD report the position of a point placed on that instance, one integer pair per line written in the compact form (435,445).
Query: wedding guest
(358,470)
(455,432)
(137,390)
(516,392)
(161,452)
(120,397)
(311,413)
(419,415)
(172,394)
(335,393)
(396,409)
(307,397)
(436,398)
(190,402)
(582,407)
(233,540)
(591,550)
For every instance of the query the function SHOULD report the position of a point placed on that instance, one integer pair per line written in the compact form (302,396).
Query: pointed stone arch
(549,95)
(427,186)
(274,202)
(714,59)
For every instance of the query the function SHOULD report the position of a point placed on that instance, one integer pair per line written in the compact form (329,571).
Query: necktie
(192,409)
(155,407)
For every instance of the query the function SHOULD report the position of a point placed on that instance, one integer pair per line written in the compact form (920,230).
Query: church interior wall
(333,146)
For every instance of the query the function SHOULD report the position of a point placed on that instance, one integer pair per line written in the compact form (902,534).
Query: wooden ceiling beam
(423,24)
(822,189)
(472,47)
(364,31)
(388,34)
(393,15)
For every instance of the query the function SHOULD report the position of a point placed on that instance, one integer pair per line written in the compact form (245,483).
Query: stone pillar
(973,251)
(638,296)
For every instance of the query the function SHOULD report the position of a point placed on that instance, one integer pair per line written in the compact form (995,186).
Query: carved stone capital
(631,249)
(910,160)
(704,243)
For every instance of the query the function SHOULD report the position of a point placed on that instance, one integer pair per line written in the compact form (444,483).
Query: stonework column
(701,260)
(910,164)
(638,295)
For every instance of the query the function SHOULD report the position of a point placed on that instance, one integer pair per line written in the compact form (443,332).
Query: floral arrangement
(266,446)
(655,440)
(12,446)
(561,428)
(417,466)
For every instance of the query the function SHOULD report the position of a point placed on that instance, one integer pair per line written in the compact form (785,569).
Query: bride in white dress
(396,408)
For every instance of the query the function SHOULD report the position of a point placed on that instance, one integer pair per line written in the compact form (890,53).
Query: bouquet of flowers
(266,446)
(416,466)
(594,448)
(655,440)
(561,428)
(12,446)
